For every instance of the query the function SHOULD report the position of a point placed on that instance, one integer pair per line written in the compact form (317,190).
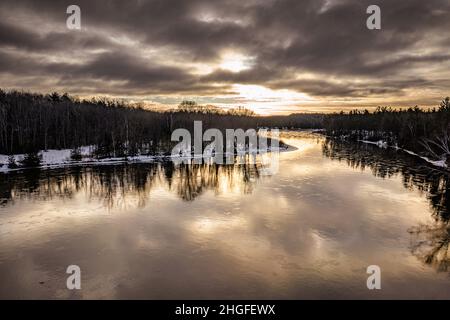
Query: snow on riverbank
(383,144)
(62,158)
(438,163)
(51,157)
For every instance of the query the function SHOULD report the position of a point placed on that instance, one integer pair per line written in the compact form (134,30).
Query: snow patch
(383,144)
(52,159)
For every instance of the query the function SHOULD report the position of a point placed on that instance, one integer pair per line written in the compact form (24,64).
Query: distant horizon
(166,107)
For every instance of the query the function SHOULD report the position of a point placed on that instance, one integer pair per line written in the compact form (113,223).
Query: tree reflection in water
(124,185)
(429,243)
(115,185)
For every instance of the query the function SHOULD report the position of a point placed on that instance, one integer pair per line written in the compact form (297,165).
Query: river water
(165,231)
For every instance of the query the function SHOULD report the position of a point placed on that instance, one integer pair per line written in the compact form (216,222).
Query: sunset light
(238,158)
(235,62)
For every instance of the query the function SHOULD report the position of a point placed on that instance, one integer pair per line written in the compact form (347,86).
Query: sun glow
(235,62)
(264,100)
(260,93)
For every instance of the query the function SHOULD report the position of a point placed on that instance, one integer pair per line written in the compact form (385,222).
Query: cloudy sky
(274,56)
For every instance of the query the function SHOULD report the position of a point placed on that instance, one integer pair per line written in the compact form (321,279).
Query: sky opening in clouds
(274,56)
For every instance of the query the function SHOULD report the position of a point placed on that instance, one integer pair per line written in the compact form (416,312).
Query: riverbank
(384,144)
(52,159)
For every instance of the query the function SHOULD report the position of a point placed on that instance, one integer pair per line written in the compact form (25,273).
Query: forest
(30,122)
(426,132)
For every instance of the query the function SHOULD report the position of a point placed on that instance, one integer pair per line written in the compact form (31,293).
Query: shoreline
(55,159)
(383,144)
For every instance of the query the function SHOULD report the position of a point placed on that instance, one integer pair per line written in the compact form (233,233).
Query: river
(165,231)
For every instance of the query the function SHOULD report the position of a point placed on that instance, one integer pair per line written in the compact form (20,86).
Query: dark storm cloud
(318,47)
(15,36)
(129,70)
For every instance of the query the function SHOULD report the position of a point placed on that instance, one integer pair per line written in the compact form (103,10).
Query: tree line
(30,122)
(424,131)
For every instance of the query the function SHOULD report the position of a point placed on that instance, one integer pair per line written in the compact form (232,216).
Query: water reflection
(429,242)
(163,231)
(113,184)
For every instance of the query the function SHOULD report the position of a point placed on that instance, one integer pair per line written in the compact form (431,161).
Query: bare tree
(439,146)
